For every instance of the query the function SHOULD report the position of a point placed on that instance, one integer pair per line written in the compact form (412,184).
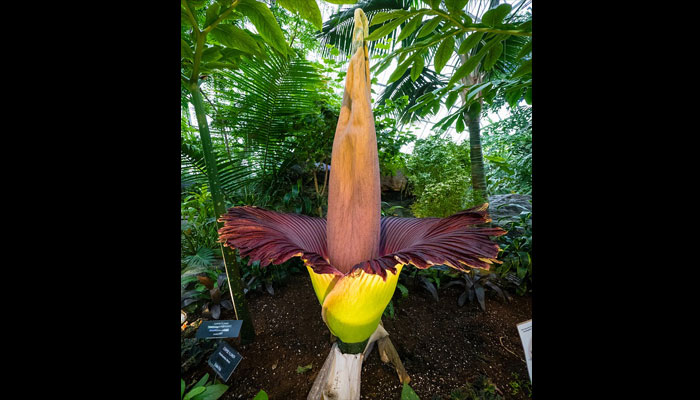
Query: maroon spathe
(273,238)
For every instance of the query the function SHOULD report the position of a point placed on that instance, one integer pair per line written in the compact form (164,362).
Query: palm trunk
(476,158)
(473,122)
(232,269)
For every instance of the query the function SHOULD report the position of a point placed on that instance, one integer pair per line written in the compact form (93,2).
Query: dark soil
(442,345)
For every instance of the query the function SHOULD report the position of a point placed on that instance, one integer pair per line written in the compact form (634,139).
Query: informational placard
(219,329)
(224,360)
(525,331)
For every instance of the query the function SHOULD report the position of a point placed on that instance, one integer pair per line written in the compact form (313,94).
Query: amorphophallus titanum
(354,256)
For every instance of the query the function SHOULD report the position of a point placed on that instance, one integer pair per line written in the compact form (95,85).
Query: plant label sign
(219,329)
(224,360)
(525,331)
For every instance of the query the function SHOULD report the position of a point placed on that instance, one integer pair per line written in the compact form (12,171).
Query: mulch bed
(442,345)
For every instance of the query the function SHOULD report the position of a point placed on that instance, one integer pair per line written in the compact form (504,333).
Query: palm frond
(256,107)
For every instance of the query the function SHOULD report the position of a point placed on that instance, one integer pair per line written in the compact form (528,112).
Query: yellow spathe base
(352,305)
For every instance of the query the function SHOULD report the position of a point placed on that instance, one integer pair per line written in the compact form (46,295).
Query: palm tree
(424,87)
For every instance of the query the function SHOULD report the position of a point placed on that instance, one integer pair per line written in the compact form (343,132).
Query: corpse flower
(354,256)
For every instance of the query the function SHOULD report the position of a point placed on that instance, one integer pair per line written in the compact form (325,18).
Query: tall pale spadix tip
(354,197)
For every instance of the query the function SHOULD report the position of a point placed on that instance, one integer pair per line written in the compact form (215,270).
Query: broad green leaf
(219,65)
(212,14)
(466,68)
(386,28)
(447,121)
(429,27)
(341,1)
(211,54)
(434,4)
(470,42)
(407,393)
(307,9)
(459,126)
(410,27)
(265,23)
(202,381)
(212,392)
(474,60)
(526,68)
(513,96)
(443,53)
(182,388)
(475,90)
(400,70)
(236,38)
(474,110)
(262,395)
(495,16)
(492,56)
(184,19)
(185,50)
(451,99)
(528,95)
(417,68)
(380,17)
(527,49)
(194,392)
(455,6)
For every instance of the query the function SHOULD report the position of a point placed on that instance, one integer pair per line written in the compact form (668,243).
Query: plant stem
(232,268)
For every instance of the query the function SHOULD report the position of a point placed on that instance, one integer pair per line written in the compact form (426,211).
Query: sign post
(525,331)
(225,358)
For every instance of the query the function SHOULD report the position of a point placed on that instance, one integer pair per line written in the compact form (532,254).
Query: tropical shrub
(516,247)
(439,175)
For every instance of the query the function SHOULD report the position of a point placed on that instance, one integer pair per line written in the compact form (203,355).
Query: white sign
(525,331)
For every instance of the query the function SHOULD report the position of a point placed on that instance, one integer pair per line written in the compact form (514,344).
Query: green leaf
(301,370)
(265,23)
(429,27)
(262,395)
(492,56)
(410,27)
(474,60)
(185,50)
(182,388)
(443,53)
(417,68)
(459,127)
(341,1)
(525,68)
(474,110)
(407,393)
(513,96)
(234,37)
(434,4)
(202,381)
(527,49)
(470,42)
(211,54)
(194,392)
(455,6)
(212,392)
(380,17)
(400,70)
(495,16)
(451,99)
(528,95)
(212,14)
(386,28)
(307,9)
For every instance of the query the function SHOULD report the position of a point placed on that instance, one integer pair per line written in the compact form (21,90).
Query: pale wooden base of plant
(339,377)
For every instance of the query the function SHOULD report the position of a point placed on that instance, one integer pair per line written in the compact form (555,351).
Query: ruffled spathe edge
(273,238)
